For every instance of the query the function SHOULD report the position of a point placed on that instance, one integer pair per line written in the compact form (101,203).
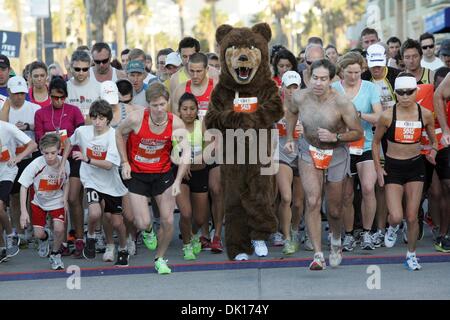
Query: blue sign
(10,43)
(438,22)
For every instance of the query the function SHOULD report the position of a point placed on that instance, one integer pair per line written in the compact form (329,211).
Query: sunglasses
(80,69)
(104,61)
(308,62)
(405,92)
(431,46)
(61,98)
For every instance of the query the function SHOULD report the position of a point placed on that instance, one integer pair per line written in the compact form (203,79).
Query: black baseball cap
(445,47)
(4,62)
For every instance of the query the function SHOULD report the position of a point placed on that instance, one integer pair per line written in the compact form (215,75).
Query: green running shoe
(196,244)
(289,247)
(150,239)
(161,266)
(188,252)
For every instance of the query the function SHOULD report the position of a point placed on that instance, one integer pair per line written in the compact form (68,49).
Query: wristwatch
(338,137)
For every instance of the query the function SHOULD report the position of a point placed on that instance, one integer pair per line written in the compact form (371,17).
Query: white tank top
(114,74)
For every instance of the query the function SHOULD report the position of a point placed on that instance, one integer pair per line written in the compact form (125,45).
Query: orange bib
(20,149)
(5,156)
(149,154)
(408,131)
(321,158)
(247,105)
(48,184)
(96,152)
(62,135)
(282,130)
(357,147)
(425,142)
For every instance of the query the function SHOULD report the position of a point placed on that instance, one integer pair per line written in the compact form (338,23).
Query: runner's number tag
(321,158)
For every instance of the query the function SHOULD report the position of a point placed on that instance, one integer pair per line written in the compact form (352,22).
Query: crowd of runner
(85,164)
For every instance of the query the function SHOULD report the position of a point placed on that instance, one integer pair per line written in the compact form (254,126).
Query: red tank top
(203,100)
(149,152)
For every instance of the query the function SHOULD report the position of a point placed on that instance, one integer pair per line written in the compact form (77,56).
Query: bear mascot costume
(246,99)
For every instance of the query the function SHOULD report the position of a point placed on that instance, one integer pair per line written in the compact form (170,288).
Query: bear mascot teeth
(246,100)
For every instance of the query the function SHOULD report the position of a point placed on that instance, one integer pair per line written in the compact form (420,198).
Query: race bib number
(247,105)
(96,152)
(202,113)
(49,183)
(20,149)
(425,141)
(357,147)
(282,130)
(149,153)
(408,131)
(321,158)
(5,155)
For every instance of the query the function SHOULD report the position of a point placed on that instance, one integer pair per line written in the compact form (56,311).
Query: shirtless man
(329,122)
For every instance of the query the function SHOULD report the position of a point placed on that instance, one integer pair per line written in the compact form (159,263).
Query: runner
(64,118)
(136,75)
(429,59)
(412,53)
(321,109)
(404,171)
(288,178)
(20,113)
(173,65)
(5,68)
(366,99)
(442,109)
(193,199)
(146,161)
(82,90)
(331,53)
(283,61)
(186,48)
(369,36)
(394,45)
(102,69)
(444,52)
(10,137)
(100,177)
(50,198)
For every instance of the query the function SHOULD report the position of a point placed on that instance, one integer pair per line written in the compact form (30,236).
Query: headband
(405,83)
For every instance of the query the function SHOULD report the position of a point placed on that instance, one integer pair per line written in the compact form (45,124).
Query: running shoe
(241,257)
(162,267)
(188,252)
(295,238)
(442,244)
(64,250)
(349,243)
(3,255)
(206,243)
(79,247)
(89,249)
(307,243)
(378,239)
(391,236)
(100,245)
(131,246)
(109,254)
(289,247)
(412,263)
(277,239)
(56,262)
(44,248)
(367,241)
(260,248)
(12,245)
(335,258)
(196,245)
(150,239)
(405,232)
(122,258)
(216,245)
(318,262)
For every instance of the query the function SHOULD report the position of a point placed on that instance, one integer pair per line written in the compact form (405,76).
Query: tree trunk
(181,16)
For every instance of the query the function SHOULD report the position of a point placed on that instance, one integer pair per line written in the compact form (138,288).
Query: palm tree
(101,10)
(180,4)
(280,9)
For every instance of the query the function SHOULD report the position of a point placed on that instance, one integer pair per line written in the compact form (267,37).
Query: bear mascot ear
(222,31)
(263,29)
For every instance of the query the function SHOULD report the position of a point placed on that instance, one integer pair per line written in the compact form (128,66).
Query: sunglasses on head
(80,69)
(405,92)
(431,46)
(58,97)
(104,61)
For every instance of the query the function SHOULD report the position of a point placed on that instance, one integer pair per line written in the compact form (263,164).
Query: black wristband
(27,126)
(88,160)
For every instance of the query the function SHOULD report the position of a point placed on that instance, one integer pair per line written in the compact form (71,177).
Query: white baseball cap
(109,92)
(173,58)
(376,56)
(17,84)
(291,77)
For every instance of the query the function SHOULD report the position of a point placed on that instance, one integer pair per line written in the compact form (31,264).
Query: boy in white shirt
(100,177)
(51,196)
(11,137)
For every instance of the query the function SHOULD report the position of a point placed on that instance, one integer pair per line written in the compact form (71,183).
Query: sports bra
(405,132)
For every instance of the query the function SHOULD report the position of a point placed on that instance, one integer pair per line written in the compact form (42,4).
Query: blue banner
(10,43)
(438,22)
